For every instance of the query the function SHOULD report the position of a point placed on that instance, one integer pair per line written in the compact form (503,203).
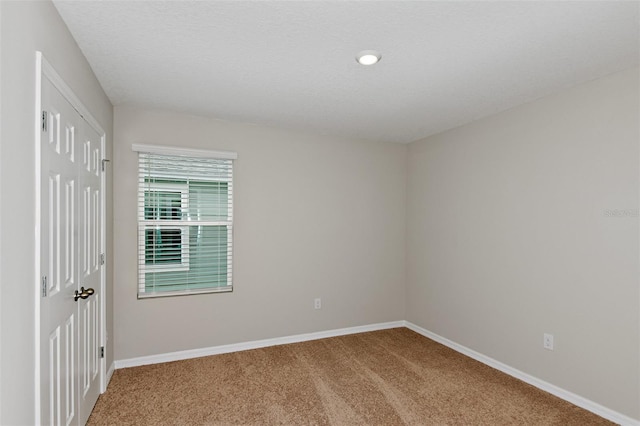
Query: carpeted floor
(389,377)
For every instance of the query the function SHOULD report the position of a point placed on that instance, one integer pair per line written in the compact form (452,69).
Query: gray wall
(25,28)
(509,236)
(314,217)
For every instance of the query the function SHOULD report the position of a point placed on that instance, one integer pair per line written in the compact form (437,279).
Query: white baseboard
(110,372)
(578,400)
(236,347)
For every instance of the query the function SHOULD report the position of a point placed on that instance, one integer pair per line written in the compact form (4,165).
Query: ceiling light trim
(368,57)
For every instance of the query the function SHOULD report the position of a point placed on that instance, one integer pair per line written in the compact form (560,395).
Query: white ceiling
(292,64)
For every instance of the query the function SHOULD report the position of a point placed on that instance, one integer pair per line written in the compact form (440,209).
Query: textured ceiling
(291,64)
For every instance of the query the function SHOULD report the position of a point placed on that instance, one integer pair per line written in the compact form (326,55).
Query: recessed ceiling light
(368,57)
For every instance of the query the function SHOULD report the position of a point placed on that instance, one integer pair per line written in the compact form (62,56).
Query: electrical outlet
(317,303)
(547,342)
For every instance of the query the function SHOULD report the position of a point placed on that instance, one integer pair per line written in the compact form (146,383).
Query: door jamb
(45,70)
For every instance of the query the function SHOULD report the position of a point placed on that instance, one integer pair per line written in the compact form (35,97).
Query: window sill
(227,289)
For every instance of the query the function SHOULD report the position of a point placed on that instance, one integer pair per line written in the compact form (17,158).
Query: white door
(70,241)
(89,224)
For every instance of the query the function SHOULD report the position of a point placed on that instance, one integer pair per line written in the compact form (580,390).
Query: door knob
(83,294)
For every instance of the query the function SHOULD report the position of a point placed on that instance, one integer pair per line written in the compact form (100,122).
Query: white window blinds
(185,223)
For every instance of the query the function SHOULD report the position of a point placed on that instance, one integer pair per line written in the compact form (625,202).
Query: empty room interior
(319,212)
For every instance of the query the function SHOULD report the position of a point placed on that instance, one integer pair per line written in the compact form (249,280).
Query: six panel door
(70,218)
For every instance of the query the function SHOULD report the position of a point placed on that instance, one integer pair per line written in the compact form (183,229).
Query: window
(185,221)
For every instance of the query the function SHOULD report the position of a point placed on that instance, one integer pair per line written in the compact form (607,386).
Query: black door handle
(83,294)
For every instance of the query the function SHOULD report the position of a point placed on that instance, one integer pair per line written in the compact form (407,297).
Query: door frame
(44,70)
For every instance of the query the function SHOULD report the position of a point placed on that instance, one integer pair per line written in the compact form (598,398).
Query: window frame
(184,223)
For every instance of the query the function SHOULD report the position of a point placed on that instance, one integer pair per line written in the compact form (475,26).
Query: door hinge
(101,351)
(102,258)
(44,286)
(44,121)
(103,163)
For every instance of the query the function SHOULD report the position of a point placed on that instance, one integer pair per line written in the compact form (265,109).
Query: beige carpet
(389,377)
